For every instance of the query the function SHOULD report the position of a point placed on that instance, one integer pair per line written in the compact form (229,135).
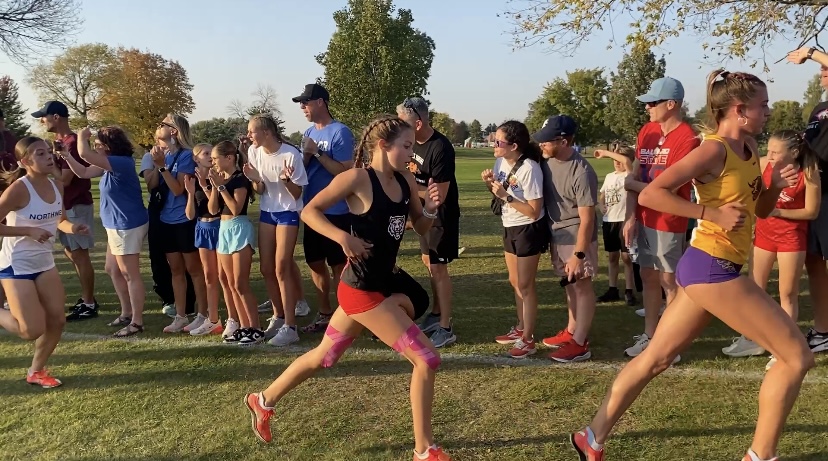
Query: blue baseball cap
(556,127)
(52,108)
(663,89)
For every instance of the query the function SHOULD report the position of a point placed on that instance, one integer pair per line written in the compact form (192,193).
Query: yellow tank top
(740,181)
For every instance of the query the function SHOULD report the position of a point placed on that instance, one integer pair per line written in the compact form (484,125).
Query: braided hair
(804,157)
(387,128)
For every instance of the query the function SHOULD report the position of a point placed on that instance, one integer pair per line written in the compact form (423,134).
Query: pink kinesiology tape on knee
(411,338)
(341,343)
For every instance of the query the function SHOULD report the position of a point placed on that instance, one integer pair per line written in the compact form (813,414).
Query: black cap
(556,127)
(52,108)
(313,91)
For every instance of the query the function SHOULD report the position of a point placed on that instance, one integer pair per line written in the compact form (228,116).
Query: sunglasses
(655,103)
(168,125)
(409,104)
(499,143)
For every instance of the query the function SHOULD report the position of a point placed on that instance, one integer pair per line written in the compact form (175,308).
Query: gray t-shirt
(567,185)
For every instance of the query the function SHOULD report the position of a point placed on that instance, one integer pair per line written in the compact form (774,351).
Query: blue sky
(475,74)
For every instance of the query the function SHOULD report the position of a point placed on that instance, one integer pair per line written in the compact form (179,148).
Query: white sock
(425,454)
(262,402)
(754,457)
(591,440)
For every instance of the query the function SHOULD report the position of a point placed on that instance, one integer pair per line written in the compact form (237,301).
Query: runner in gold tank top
(725,171)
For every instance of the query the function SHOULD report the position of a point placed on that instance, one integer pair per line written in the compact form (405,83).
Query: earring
(743,121)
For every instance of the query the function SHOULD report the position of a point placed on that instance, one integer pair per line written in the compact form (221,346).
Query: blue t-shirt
(175,206)
(335,141)
(122,201)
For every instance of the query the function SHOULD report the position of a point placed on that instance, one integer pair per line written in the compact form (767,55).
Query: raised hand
(190,184)
(799,56)
(433,197)
(158,156)
(287,171)
(251,172)
(85,134)
(309,147)
(497,190)
(216,178)
(202,177)
(487,175)
(784,176)
(730,216)
(244,143)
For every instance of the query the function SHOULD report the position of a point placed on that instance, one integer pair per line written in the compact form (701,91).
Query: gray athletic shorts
(79,214)
(818,231)
(659,250)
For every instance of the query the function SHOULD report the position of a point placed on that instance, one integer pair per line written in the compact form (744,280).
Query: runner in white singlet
(33,206)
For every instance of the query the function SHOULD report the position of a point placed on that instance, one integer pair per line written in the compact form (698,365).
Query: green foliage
(441,122)
(374,60)
(218,129)
(460,133)
(625,115)
(16,117)
(582,96)
(785,115)
(475,131)
(490,128)
(814,94)
(296,138)
(725,29)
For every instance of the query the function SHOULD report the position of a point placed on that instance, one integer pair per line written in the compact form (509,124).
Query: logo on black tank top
(396,226)
(756,185)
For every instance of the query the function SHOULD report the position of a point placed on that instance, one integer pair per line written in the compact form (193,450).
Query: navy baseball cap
(663,89)
(313,91)
(556,127)
(52,108)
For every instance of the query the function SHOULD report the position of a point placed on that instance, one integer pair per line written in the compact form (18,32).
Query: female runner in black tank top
(378,192)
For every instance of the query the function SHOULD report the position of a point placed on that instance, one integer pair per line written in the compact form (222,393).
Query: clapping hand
(158,156)
(287,172)
(190,184)
(251,172)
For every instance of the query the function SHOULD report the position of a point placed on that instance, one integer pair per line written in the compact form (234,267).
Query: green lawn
(162,397)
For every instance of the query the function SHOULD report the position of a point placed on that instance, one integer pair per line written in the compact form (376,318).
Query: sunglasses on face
(409,104)
(499,143)
(165,124)
(660,101)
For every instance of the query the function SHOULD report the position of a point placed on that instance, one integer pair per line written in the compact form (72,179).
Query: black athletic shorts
(403,283)
(320,248)
(526,240)
(178,238)
(441,242)
(613,237)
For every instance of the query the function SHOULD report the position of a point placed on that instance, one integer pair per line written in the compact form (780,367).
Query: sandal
(129,330)
(120,322)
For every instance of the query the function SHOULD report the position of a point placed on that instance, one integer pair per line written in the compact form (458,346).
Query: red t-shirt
(79,190)
(655,152)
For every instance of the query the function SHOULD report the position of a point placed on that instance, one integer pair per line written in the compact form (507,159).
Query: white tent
(468,142)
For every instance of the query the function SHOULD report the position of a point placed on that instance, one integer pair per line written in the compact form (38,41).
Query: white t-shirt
(525,185)
(277,197)
(615,197)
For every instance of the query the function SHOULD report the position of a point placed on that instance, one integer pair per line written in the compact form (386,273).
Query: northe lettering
(40,217)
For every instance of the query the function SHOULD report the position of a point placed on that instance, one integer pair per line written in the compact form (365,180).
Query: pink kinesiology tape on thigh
(341,343)
(411,338)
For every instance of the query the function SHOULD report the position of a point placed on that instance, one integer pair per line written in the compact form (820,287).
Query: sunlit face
(659,110)
(49,122)
(223,163)
(312,108)
(204,158)
(256,134)
(164,133)
(39,158)
(778,153)
(401,151)
(756,112)
(100,147)
(551,149)
(502,147)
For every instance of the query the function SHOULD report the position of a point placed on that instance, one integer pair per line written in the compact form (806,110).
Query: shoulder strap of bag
(516,167)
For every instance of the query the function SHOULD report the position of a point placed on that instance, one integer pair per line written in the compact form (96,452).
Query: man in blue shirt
(328,148)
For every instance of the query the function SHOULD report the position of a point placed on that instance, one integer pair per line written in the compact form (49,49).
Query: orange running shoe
(563,336)
(585,452)
(434,454)
(43,379)
(511,337)
(571,352)
(260,417)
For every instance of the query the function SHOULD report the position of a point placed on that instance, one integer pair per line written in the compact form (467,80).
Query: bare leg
(130,269)
(629,277)
(209,263)
(527,269)
(179,282)
(818,285)
(119,282)
(52,299)
(791,266)
(285,244)
(613,268)
(322,282)
(651,298)
(242,260)
(267,266)
(512,268)
(192,262)
(86,273)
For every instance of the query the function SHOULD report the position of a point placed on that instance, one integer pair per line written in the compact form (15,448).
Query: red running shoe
(43,379)
(585,452)
(260,417)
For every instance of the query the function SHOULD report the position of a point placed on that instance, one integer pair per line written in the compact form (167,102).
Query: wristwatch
(162,169)
(221,188)
(580,255)
(509,199)
(317,154)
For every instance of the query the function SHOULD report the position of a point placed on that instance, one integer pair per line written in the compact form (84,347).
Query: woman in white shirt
(277,171)
(517,180)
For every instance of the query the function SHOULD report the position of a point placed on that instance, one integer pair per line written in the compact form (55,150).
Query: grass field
(163,397)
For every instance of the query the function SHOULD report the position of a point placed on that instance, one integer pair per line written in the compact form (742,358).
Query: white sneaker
(641,343)
(770,363)
(641,312)
(273,326)
(197,322)
(177,325)
(302,308)
(230,327)
(743,347)
(284,337)
(207,328)
(266,307)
